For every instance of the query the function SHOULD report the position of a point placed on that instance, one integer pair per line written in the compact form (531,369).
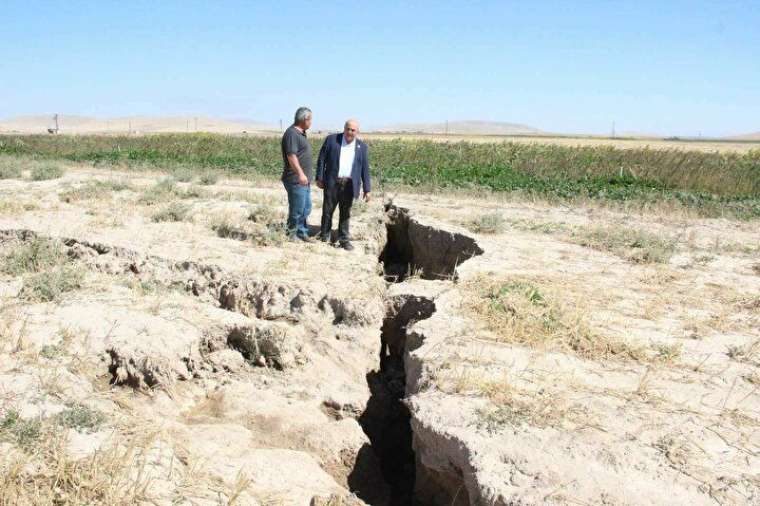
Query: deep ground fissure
(386,419)
(417,249)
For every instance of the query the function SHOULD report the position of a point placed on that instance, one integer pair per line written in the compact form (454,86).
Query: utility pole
(613,129)
(280,124)
(447,127)
(54,130)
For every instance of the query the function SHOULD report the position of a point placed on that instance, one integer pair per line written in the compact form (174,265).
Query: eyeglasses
(350,129)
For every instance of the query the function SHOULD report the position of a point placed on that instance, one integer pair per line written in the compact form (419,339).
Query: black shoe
(347,246)
(306,238)
(324,238)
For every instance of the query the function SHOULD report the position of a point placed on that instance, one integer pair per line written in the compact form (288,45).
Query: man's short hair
(301,114)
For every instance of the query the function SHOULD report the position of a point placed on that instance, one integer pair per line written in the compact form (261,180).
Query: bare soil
(151,361)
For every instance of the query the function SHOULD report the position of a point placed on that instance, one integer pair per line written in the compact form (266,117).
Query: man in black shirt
(297,174)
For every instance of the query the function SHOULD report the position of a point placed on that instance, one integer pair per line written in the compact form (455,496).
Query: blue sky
(667,67)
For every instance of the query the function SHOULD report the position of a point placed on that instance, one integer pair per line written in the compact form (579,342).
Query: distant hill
(464,128)
(71,124)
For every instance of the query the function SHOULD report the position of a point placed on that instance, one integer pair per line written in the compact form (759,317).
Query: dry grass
(266,214)
(173,212)
(336,500)
(634,245)
(210,408)
(544,227)
(13,329)
(491,223)
(667,353)
(167,190)
(10,207)
(46,171)
(39,170)
(541,410)
(51,284)
(45,268)
(209,178)
(524,312)
(264,227)
(509,405)
(23,432)
(637,246)
(94,190)
(114,475)
(10,167)
(748,352)
(183,174)
(36,255)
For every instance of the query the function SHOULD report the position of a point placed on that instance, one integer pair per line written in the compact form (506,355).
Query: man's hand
(366,197)
(296,167)
(320,183)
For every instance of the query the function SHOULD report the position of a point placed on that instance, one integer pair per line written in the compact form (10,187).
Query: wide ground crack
(412,249)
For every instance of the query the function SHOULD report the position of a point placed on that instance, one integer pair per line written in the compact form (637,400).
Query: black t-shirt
(294,142)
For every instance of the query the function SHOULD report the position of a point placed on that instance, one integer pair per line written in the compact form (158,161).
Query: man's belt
(343,180)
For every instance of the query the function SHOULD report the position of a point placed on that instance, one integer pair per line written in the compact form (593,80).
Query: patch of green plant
(264,213)
(35,255)
(10,167)
(228,230)
(160,192)
(9,420)
(524,288)
(80,417)
(45,171)
(711,183)
(545,227)
(271,234)
(144,287)
(704,259)
(667,352)
(94,190)
(49,285)
(166,190)
(173,212)
(638,246)
(209,178)
(491,223)
(24,432)
(51,351)
(359,206)
(194,192)
(182,174)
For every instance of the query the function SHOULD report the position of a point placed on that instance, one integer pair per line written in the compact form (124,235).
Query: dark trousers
(342,196)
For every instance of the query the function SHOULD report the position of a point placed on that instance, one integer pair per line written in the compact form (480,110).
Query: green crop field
(713,184)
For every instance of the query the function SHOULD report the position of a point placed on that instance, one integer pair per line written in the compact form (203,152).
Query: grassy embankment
(711,184)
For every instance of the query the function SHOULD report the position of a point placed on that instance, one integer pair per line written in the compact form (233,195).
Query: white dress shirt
(347,155)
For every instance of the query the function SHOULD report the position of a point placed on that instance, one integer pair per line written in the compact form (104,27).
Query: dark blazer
(329,162)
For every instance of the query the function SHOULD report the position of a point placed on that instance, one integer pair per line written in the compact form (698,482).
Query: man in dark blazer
(342,169)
